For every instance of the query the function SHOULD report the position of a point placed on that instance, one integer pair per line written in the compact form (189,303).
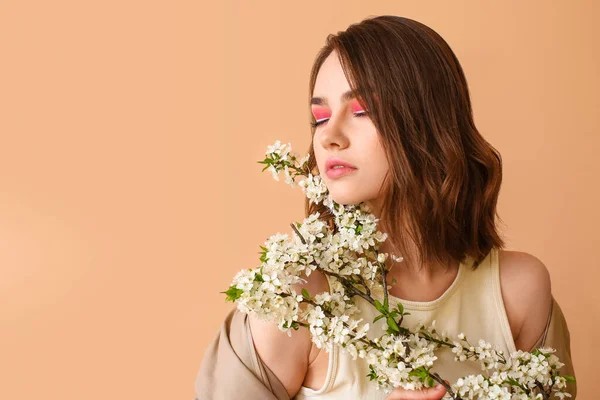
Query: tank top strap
(482,291)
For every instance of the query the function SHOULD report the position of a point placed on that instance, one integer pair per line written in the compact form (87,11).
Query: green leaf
(233,294)
(394,281)
(404,331)
(372,375)
(430,382)
(379,307)
(386,303)
(420,372)
(305,294)
(378,318)
(258,278)
(569,378)
(400,308)
(392,324)
(263,254)
(513,382)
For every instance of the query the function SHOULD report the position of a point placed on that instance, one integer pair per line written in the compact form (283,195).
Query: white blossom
(351,255)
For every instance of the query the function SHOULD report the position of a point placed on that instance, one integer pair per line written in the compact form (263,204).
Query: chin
(346,198)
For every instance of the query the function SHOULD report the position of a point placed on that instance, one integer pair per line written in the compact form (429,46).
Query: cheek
(376,155)
(371,144)
(318,157)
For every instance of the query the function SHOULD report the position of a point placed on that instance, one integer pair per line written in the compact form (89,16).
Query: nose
(334,134)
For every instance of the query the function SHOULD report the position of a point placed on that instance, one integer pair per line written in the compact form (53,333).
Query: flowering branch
(399,357)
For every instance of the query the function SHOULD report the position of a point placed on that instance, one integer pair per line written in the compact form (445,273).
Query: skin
(349,134)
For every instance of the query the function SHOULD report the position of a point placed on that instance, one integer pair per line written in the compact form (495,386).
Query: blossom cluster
(398,358)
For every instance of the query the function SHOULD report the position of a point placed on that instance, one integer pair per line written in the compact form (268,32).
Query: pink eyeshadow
(356,107)
(320,113)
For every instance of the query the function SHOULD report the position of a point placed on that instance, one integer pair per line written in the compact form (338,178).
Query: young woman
(393,127)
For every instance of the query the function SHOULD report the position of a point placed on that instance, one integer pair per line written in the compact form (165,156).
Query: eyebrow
(348,95)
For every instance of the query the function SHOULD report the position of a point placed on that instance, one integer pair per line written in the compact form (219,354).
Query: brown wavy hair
(441,191)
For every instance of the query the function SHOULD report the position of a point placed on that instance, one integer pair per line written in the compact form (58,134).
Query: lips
(333,161)
(334,173)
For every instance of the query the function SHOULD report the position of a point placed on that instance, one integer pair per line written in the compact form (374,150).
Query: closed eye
(322,120)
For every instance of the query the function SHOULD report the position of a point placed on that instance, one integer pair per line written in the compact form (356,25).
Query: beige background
(130,193)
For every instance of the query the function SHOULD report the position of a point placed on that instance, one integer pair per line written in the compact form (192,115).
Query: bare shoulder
(527,294)
(287,356)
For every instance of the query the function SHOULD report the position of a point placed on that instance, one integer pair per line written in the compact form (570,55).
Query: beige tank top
(472,304)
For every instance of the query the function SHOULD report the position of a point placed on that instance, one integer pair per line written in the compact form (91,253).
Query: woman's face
(346,133)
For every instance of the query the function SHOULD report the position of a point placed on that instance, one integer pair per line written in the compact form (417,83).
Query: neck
(424,282)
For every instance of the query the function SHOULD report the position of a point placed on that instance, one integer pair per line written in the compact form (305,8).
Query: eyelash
(359,114)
